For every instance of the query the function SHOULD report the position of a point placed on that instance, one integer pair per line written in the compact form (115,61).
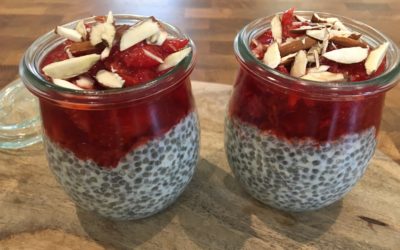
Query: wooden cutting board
(213,213)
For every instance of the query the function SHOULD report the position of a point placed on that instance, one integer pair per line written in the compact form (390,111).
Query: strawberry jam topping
(354,72)
(293,116)
(105,136)
(131,64)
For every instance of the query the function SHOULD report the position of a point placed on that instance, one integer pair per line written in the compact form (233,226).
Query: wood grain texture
(213,213)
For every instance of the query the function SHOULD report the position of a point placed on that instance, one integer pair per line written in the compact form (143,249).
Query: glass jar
(123,153)
(300,145)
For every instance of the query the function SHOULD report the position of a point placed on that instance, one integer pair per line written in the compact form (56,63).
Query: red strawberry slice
(172,45)
(136,57)
(266,37)
(137,77)
(287,21)
(283,69)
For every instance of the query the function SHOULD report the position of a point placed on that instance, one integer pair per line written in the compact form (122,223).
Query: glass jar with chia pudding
(306,106)
(120,127)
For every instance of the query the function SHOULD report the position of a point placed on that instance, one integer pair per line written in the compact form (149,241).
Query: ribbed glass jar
(123,153)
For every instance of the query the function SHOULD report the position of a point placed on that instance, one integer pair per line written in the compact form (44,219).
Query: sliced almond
(338,25)
(109,79)
(294,46)
(331,20)
(300,64)
(258,50)
(152,56)
(272,56)
(158,38)
(321,68)
(347,55)
(311,58)
(301,19)
(324,77)
(288,59)
(355,36)
(289,40)
(255,42)
(85,82)
(82,48)
(324,46)
(66,84)
(102,31)
(110,18)
(375,58)
(341,33)
(120,30)
(276,28)
(317,19)
(105,53)
(347,42)
(316,47)
(138,33)
(70,34)
(152,39)
(173,59)
(68,51)
(321,34)
(316,58)
(70,67)
(303,29)
(81,28)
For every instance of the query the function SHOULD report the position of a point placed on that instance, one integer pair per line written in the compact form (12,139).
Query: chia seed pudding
(146,180)
(119,120)
(297,175)
(306,106)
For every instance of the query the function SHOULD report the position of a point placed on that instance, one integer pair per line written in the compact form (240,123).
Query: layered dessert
(301,150)
(124,159)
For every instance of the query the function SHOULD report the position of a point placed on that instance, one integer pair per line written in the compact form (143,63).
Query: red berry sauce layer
(101,56)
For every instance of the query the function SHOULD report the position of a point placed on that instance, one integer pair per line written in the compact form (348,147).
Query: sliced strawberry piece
(135,56)
(287,17)
(283,69)
(266,38)
(287,21)
(58,54)
(138,77)
(95,68)
(172,45)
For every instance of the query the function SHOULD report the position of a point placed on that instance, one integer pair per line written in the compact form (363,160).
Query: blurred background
(212,24)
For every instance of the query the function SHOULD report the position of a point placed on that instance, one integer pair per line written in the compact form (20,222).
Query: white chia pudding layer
(146,180)
(296,175)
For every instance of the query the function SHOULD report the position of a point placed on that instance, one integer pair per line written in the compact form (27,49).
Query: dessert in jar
(304,114)
(120,127)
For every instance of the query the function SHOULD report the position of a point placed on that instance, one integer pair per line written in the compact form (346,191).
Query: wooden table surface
(211,23)
(213,213)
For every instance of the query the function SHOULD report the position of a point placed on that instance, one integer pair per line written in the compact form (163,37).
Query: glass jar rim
(384,81)
(33,79)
